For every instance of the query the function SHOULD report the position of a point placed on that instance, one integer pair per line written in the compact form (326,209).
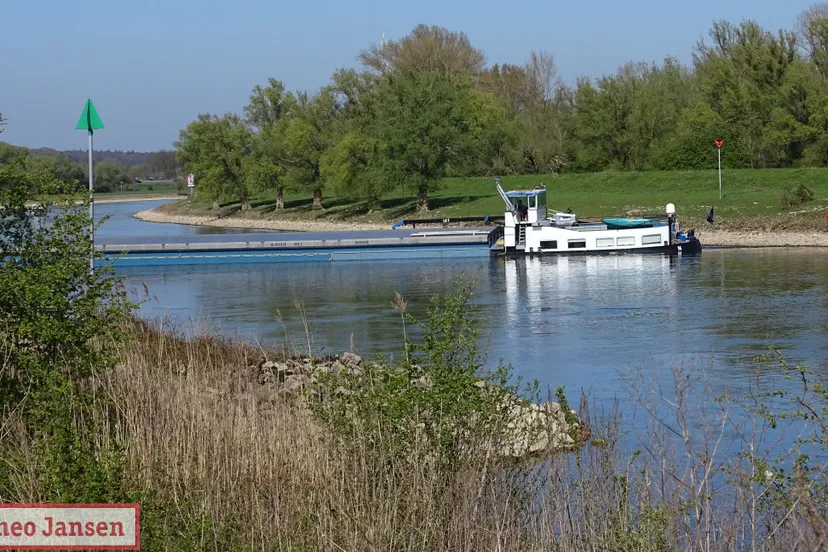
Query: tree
(494,137)
(355,95)
(110,175)
(214,148)
(812,35)
(350,163)
(162,164)
(740,75)
(9,153)
(268,105)
(692,145)
(538,112)
(351,166)
(138,171)
(425,49)
(263,168)
(424,123)
(268,114)
(543,75)
(306,136)
(67,171)
(619,123)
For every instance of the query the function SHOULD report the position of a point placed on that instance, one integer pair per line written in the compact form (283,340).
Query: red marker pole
(719,148)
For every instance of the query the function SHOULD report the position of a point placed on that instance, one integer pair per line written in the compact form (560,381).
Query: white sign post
(719,147)
(191,183)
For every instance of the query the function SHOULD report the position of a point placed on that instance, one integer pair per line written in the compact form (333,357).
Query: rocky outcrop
(532,429)
(535,429)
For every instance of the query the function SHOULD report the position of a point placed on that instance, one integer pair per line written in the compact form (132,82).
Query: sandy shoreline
(711,238)
(103,200)
(748,238)
(132,199)
(277,225)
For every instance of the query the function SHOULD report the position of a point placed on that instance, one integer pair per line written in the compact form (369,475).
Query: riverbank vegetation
(754,199)
(159,173)
(98,407)
(428,107)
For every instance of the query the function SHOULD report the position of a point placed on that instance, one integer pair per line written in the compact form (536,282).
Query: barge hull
(297,247)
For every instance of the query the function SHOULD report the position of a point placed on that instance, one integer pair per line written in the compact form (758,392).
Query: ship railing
(495,235)
(488,219)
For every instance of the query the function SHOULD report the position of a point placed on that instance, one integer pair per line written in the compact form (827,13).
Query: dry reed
(222,464)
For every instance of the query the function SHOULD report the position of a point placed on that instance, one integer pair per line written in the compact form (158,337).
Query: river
(582,322)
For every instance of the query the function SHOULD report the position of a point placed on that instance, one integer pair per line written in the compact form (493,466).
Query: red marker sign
(719,143)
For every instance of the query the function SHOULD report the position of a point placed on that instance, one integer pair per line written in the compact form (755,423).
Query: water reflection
(121,223)
(583,322)
(590,319)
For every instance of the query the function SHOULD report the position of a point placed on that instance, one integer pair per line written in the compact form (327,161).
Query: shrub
(795,196)
(436,402)
(58,326)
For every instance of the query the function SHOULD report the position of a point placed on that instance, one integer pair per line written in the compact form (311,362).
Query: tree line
(126,158)
(111,173)
(428,106)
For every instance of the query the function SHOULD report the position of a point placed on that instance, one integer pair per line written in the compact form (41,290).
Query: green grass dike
(753,199)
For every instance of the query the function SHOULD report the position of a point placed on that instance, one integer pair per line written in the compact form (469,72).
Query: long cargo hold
(299,246)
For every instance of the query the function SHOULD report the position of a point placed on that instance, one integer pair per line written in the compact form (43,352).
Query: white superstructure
(529,228)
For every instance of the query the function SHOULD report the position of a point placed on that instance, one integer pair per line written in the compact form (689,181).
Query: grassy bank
(753,199)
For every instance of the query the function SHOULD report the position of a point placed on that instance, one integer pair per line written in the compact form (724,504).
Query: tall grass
(220,463)
(238,468)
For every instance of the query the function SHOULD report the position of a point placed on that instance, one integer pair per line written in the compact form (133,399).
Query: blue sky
(151,66)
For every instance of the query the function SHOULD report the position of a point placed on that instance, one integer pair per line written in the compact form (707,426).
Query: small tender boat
(628,222)
(529,229)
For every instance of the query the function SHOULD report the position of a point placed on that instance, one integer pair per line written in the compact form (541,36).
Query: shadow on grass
(400,208)
(342,208)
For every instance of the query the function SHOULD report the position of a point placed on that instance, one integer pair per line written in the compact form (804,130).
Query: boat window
(549,244)
(651,239)
(575,244)
(626,240)
(533,202)
(604,242)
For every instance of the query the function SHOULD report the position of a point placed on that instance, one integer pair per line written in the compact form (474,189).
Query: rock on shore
(532,430)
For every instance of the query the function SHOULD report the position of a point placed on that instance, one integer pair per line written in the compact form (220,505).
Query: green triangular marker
(89,119)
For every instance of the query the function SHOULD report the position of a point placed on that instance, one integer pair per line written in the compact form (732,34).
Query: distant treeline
(126,158)
(428,106)
(114,170)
